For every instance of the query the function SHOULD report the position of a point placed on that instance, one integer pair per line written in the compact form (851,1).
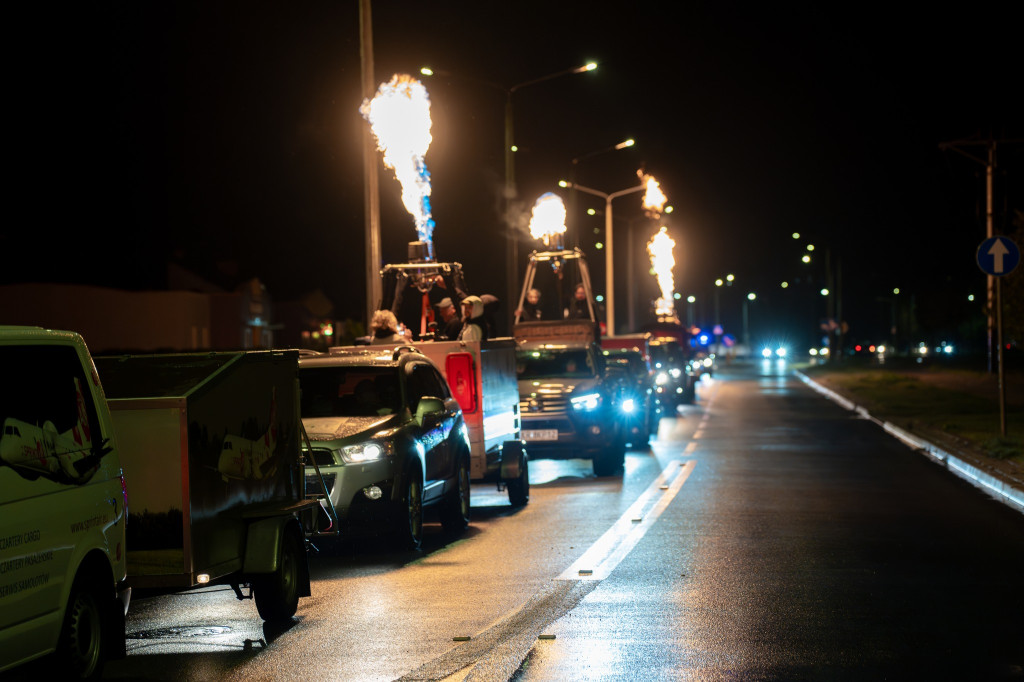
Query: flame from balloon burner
(548,220)
(654,198)
(399,115)
(662,261)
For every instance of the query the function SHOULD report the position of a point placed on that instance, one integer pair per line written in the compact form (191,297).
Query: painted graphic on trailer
(237,414)
(48,425)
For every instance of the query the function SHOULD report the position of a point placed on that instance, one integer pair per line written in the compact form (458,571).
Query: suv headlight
(586,403)
(370,451)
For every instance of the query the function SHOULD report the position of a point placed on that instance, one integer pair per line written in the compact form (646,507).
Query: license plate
(540,434)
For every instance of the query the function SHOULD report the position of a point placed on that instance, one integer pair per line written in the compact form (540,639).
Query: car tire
(408,519)
(83,647)
(454,511)
(519,489)
(277,595)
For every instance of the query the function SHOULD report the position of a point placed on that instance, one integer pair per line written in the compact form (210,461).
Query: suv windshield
(349,391)
(560,362)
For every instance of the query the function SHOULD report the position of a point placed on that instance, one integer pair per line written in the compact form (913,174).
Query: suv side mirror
(428,410)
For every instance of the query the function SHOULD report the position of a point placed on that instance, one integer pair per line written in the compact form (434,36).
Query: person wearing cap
(475,327)
(451,323)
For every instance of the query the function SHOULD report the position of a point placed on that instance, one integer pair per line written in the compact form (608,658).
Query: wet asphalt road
(766,534)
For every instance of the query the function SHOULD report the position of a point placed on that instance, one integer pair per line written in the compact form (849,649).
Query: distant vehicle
(568,403)
(389,440)
(702,364)
(671,356)
(63,507)
(638,402)
(673,376)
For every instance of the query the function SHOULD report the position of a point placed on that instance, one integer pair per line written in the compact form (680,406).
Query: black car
(637,403)
(389,440)
(675,383)
(567,404)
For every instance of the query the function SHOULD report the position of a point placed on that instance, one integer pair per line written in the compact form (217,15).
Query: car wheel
(83,645)
(455,510)
(519,489)
(408,521)
(277,595)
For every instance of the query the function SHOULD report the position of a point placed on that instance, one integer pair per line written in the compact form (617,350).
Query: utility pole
(371,182)
(990,166)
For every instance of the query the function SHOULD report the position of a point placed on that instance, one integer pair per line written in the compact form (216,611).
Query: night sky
(225,137)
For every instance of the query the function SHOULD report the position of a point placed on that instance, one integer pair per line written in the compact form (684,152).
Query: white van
(62,507)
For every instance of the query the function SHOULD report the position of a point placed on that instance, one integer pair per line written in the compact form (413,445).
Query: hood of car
(338,428)
(556,386)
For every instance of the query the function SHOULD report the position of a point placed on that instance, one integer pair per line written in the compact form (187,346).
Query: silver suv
(389,440)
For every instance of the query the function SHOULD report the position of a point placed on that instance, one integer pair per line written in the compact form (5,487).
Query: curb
(1000,490)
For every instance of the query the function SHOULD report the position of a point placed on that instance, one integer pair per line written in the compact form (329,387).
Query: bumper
(563,438)
(346,485)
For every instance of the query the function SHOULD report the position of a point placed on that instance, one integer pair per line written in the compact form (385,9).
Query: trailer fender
(263,546)
(513,459)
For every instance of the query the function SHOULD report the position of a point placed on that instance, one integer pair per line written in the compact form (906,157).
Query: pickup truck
(568,401)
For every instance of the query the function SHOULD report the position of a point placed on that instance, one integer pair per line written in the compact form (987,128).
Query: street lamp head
(427,71)
(589,66)
(563,183)
(751,296)
(625,143)
(719,282)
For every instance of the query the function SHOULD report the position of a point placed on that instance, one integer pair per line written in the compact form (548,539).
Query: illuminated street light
(608,257)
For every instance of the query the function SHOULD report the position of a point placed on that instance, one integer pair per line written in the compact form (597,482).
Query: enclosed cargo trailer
(211,451)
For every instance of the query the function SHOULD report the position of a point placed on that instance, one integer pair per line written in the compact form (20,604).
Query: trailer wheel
(277,594)
(519,489)
(408,520)
(454,511)
(83,646)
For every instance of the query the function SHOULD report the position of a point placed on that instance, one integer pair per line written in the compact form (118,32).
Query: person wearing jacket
(384,328)
(475,326)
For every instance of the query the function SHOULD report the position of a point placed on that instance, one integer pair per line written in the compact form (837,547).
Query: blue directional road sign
(998,256)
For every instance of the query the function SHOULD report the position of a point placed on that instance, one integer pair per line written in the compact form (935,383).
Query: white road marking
(604,555)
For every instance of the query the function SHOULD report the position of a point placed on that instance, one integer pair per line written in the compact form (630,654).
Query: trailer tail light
(462,380)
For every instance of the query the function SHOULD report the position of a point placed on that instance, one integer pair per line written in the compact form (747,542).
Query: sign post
(997,257)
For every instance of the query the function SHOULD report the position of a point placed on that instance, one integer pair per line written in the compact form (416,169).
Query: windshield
(537,364)
(668,355)
(349,391)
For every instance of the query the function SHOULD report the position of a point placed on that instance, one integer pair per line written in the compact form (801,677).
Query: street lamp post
(609,253)
(512,252)
(746,320)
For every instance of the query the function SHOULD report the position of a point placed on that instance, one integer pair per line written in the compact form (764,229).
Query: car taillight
(462,380)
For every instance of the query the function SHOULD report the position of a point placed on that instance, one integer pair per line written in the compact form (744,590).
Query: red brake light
(462,380)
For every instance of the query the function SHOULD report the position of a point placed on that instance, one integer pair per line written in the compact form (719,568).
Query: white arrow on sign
(997,252)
